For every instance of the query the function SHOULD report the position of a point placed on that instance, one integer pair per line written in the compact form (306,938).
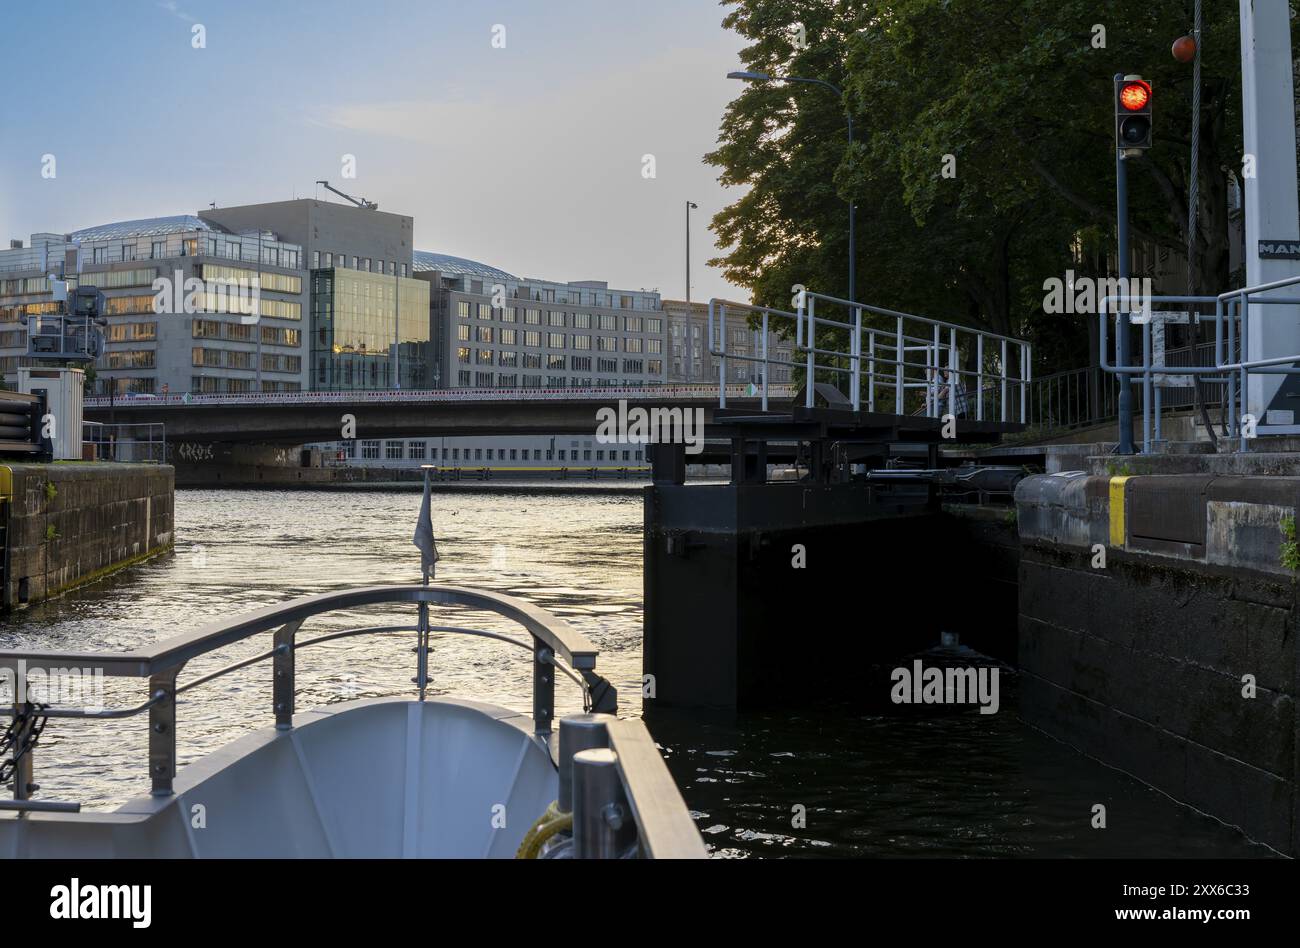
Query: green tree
(1016,97)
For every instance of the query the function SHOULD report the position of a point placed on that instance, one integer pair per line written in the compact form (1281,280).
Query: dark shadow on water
(842,780)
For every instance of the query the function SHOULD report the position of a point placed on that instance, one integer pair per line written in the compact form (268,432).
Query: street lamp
(690,206)
(754,76)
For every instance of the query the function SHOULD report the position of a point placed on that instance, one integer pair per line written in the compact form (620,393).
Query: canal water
(832,782)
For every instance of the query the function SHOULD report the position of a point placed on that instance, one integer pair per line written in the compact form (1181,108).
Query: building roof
(425,261)
(147,227)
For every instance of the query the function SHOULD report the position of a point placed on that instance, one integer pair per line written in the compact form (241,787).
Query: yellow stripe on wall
(1117,526)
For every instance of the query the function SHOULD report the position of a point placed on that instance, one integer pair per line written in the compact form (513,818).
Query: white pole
(1272,211)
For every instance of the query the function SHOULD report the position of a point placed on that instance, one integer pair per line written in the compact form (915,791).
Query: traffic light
(1132,114)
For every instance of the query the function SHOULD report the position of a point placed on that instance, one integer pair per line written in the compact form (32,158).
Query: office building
(689,361)
(491,329)
(337,306)
(369,316)
(197,332)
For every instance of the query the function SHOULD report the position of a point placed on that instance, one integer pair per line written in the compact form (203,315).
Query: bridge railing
(128,442)
(929,366)
(645,393)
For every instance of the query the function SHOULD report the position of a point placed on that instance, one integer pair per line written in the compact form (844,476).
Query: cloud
(171,7)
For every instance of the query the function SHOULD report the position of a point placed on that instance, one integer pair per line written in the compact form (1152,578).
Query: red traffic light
(1135,96)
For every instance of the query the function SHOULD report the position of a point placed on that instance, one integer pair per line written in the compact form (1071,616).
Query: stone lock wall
(68,524)
(1157,634)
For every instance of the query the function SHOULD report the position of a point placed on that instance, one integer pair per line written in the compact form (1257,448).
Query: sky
(514,132)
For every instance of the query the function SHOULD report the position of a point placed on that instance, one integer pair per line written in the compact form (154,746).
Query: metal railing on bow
(903,363)
(551,640)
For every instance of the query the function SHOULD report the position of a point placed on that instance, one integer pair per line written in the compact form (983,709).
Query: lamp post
(751,76)
(690,205)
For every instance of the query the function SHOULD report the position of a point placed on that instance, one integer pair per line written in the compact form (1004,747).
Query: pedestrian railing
(129,442)
(892,361)
(1228,370)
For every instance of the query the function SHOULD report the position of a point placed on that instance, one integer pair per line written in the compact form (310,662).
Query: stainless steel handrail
(552,639)
(881,356)
(1237,308)
(610,770)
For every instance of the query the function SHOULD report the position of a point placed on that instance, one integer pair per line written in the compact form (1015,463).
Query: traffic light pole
(1125,419)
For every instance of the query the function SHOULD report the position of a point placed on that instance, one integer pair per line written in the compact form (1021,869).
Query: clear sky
(528,157)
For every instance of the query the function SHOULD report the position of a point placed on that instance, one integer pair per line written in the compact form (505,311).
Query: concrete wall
(67,524)
(1150,606)
(326,227)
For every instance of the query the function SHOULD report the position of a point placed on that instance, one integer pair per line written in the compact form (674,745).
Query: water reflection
(868,784)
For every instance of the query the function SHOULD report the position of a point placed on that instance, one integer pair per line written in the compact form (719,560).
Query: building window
(555,317)
(370,450)
(417,449)
(393,450)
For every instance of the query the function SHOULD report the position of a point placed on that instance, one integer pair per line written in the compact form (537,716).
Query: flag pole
(428,567)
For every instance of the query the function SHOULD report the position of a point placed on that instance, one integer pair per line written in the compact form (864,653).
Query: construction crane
(359,202)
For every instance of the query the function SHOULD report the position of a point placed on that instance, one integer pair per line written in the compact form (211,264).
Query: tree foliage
(1017,95)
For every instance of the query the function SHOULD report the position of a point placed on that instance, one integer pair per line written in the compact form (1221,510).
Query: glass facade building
(169,340)
(370,331)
